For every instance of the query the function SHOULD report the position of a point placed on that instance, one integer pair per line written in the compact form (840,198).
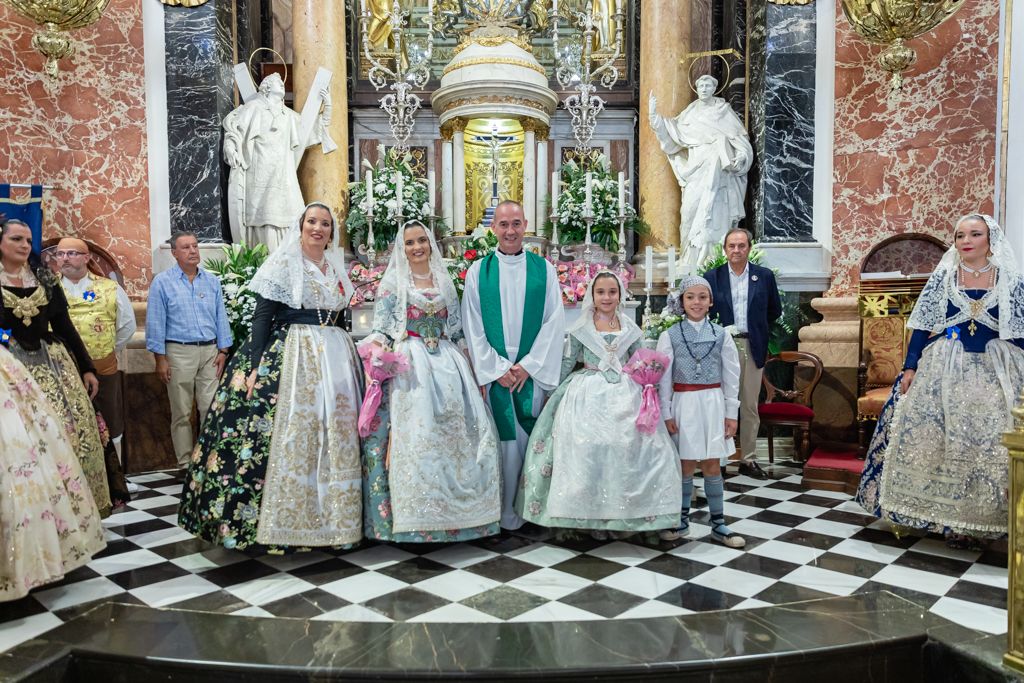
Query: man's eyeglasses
(68,254)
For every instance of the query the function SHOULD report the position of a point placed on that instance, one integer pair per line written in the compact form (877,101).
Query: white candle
(649,266)
(622,193)
(671,267)
(556,184)
(399,191)
(431,189)
(368,182)
(588,204)
(554,6)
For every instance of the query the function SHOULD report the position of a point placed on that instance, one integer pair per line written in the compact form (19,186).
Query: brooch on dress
(89,295)
(5,336)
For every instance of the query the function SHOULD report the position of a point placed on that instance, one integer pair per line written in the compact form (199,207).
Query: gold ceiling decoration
(891,22)
(56,17)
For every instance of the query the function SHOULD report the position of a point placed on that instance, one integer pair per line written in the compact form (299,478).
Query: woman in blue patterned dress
(936,462)
(431,465)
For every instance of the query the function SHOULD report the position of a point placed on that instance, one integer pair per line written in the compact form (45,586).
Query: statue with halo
(710,154)
(264,141)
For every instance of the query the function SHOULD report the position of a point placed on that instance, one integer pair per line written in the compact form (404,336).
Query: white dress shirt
(125,314)
(738,285)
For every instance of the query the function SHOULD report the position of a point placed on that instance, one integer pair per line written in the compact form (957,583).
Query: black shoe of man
(752,469)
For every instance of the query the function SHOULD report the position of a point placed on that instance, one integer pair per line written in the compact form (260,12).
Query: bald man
(103,316)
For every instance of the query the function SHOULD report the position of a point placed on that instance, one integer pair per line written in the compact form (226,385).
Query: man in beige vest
(103,316)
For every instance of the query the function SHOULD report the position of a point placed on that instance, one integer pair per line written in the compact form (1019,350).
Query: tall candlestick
(368,182)
(671,267)
(649,266)
(588,204)
(622,193)
(431,189)
(399,192)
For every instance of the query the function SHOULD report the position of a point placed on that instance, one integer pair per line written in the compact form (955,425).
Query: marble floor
(801,545)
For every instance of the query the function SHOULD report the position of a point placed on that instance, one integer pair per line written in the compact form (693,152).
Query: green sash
(506,406)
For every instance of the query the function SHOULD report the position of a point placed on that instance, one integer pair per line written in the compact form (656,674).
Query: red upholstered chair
(791,407)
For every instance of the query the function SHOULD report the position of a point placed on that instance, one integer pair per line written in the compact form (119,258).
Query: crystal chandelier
(402,103)
(576,68)
(56,17)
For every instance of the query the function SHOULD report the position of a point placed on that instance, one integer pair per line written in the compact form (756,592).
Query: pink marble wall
(917,161)
(84,134)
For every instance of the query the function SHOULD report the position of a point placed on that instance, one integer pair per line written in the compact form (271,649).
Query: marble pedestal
(836,340)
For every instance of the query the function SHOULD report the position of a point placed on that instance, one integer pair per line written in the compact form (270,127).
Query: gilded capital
(458,124)
(542,132)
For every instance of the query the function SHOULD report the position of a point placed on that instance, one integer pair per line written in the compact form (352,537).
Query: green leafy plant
(604,203)
(235,271)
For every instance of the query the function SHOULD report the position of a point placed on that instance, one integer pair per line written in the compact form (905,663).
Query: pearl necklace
(422,278)
(612,322)
(976,272)
(6,277)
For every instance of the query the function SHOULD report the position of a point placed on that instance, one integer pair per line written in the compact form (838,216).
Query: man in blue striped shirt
(188,332)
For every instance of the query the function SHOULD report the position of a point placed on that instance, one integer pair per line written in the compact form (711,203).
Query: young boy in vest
(699,395)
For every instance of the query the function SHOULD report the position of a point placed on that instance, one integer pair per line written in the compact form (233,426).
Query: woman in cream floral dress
(49,523)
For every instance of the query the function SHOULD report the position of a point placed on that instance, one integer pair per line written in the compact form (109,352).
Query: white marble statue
(710,154)
(263,144)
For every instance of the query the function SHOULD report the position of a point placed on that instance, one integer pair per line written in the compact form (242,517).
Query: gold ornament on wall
(892,22)
(57,17)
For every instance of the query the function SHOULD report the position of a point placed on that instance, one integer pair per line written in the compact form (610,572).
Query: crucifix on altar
(494,141)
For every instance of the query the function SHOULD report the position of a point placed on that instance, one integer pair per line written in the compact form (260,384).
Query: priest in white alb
(514,324)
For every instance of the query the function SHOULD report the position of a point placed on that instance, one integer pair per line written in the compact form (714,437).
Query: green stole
(506,406)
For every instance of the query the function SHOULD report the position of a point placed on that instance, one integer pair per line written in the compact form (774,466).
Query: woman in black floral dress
(277,465)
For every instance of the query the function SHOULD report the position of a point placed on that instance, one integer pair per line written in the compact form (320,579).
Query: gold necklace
(25,308)
(978,305)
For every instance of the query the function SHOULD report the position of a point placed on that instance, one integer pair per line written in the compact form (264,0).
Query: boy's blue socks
(714,489)
(687,493)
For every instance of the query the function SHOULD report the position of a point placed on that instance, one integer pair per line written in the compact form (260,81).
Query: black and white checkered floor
(800,545)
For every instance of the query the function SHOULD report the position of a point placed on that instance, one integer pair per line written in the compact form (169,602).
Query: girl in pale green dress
(587,465)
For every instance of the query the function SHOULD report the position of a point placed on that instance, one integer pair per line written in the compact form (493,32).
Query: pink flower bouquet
(380,365)
(646,368)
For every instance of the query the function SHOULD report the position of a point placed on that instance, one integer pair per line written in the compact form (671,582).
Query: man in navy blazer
(745,295)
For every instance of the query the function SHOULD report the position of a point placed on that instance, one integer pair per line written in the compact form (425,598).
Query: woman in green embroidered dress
(430,466)
(587,465)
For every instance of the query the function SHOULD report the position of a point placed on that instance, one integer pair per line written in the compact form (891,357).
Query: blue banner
(29,210)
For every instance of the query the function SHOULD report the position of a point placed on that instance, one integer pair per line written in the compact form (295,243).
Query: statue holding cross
(264,141)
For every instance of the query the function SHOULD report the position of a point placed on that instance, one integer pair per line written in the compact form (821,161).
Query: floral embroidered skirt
(280,471)
(48,519)
(445,470)
(935,461)
(588,467)
(53,368)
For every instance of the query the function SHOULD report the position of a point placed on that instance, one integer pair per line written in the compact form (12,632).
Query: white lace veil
(391,320)
(1008,293)
(280,278)
(585,331)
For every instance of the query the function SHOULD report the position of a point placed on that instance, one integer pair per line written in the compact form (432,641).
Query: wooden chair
(790,407)
(884,306)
